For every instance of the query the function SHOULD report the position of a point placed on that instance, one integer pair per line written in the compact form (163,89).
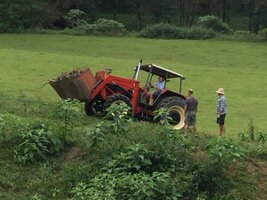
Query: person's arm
(222,106)
(218,108)
(185,106)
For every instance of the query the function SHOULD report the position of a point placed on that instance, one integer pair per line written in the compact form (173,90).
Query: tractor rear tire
(117,99)
(88,108)
(175,110)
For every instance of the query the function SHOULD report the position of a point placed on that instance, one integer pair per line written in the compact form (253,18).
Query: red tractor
(104,89)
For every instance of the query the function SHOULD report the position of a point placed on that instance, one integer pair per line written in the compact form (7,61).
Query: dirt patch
(72,153)
(258,169)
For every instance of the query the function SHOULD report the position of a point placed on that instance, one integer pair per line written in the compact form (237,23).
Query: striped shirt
(221,105)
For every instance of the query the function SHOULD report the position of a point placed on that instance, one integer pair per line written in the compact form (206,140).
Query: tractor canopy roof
(160,71)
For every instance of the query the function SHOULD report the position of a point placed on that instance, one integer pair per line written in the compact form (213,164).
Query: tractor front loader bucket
(77,84)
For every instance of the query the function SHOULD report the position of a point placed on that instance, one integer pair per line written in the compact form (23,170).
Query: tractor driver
(159,86)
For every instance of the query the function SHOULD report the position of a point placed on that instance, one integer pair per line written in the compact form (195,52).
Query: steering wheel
(148,86)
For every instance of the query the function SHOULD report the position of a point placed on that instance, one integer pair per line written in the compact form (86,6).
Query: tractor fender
(168,93)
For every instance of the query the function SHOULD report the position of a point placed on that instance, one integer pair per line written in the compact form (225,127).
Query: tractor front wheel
(175,111)
(88,108)
(117,99)
(98,107)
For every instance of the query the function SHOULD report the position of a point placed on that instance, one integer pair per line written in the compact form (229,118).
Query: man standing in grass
(190,109)
(221,110)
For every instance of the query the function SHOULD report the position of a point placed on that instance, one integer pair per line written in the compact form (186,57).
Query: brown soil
(72,153)
(258,169)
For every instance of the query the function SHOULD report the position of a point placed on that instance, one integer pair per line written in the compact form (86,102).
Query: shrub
(96,134)
(168,31)
(76,18)
(245,36)
(36,144)
(101,26)
(68,110)
(263,33)
(211,175)
(134,159)
(119,116)
(214,23)
(105,26)
(157,185)
(109,26)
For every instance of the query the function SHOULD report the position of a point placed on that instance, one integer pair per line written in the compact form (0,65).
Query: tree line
(18,15)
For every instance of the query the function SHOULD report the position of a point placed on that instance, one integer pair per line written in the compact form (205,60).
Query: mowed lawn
(28,61)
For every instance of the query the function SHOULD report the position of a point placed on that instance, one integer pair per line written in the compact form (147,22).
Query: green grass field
(28,61)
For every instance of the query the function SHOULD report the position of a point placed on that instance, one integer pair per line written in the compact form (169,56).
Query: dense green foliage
(263,33)
(36,144)
(105,26)
(214,23)
(17,15)
(77,23)
(138,161)
(173,32)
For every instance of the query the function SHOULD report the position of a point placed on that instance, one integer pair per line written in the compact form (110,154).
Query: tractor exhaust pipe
(137,70)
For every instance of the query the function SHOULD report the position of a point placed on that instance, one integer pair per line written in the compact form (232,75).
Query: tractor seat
(142,102)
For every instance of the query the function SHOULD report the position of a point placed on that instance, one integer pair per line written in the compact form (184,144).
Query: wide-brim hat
(220,91)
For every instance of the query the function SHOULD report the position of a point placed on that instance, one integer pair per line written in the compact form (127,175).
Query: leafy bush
(16,16)
(109,26)
(101,26)
(158,185)
(96,134)
(211,174)
(36,144)
(173,32)
(134,159)
(68,110)
(224,151)
(214,23)
(119,116)
(76,18)
(160,165)
(105,26)
(263,33)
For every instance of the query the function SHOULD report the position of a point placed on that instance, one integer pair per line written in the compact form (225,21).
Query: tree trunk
(139,21)
(224,10)
(138,15)
(181,7)
(115,15)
